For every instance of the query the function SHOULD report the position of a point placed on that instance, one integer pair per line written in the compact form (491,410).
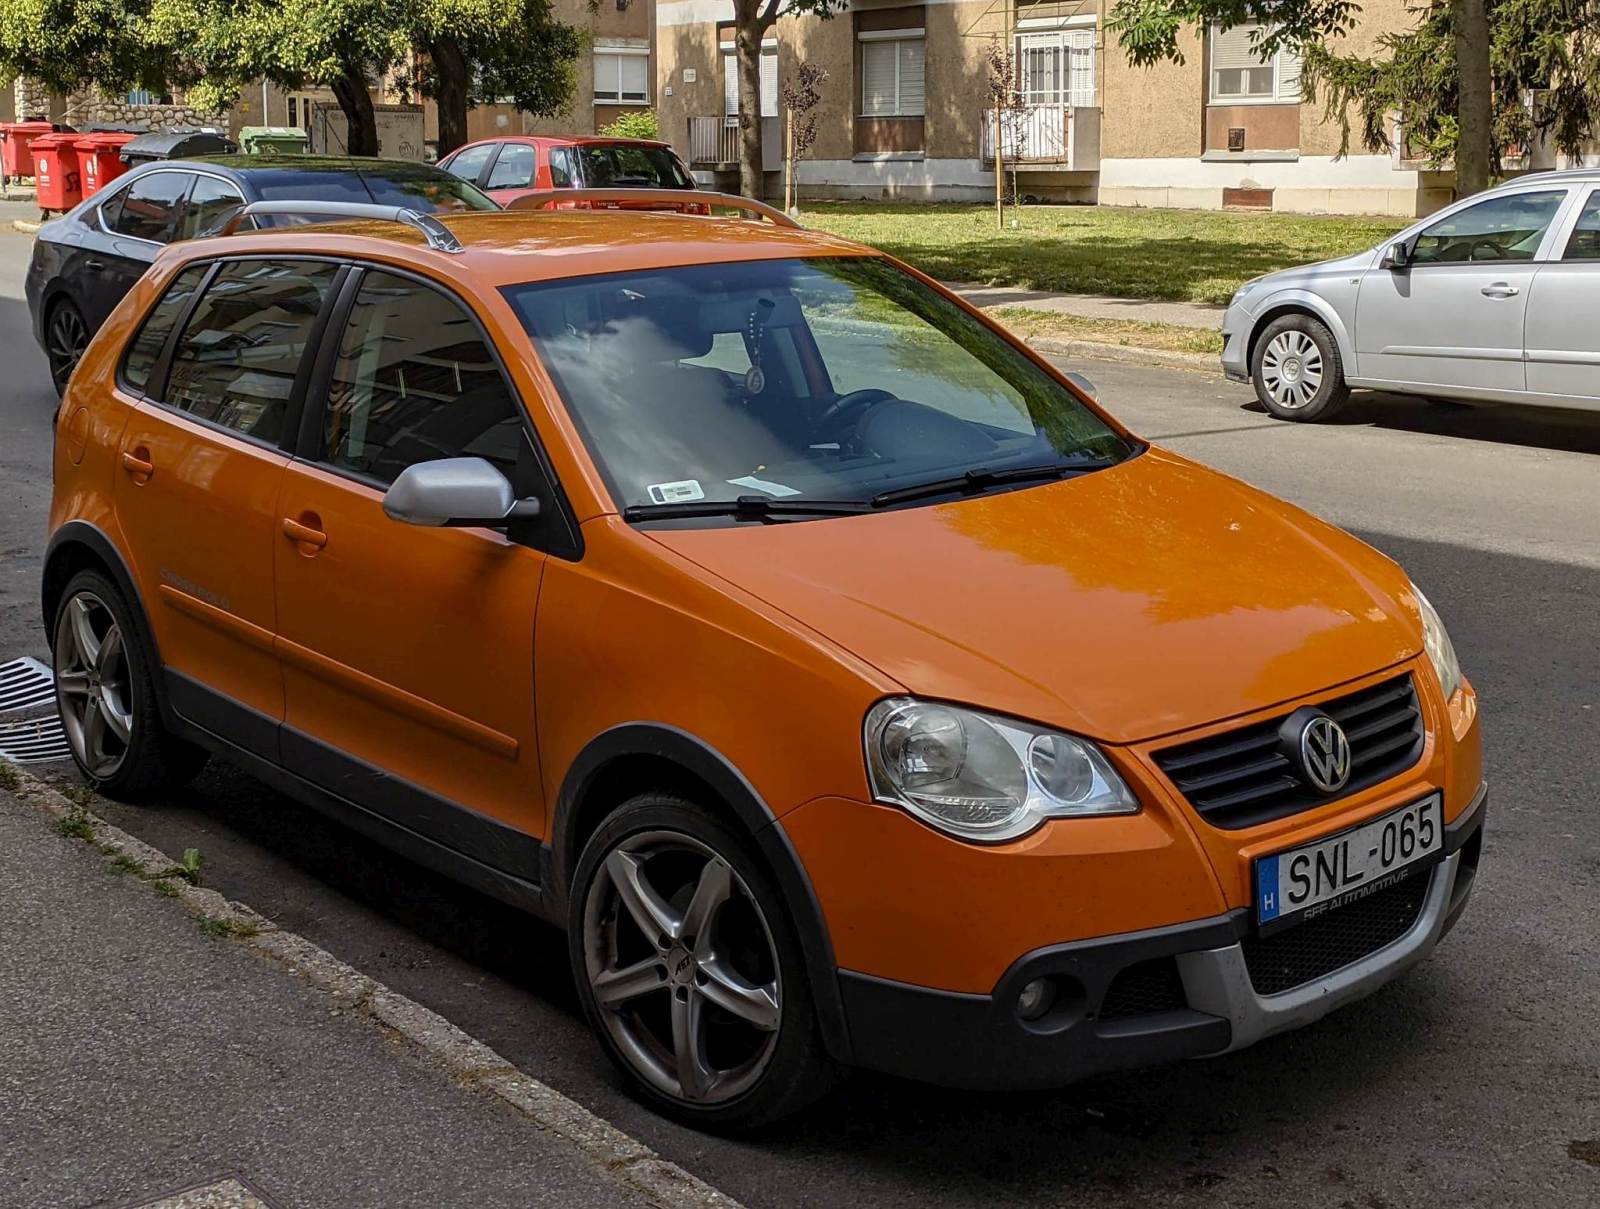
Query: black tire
(149,760)
(795,1069)
(66,336)
(1297,371)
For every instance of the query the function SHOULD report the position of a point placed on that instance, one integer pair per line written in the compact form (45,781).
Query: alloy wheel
(92,684)
(1291,369)
(65,342)
(682,966)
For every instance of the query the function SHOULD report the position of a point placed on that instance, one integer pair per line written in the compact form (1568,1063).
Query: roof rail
(544,199)
(439,236)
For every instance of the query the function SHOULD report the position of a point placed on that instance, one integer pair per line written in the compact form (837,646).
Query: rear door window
(151,205)
(236,361)
(514,168)
(563,173)
(1584,243)
(210,202)
(145,349)
(414,381)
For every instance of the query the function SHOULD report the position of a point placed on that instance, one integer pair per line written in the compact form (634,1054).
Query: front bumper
(964,1040)
(1236,343)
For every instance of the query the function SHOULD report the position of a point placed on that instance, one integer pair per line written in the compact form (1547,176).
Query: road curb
(26,225)
(1135,354)
(464,1058)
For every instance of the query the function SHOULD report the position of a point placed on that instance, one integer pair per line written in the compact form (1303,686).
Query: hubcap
(682,966)
(1291,369)
(68,339)
(92,687)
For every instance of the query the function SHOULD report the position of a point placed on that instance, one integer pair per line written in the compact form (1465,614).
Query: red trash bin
(98,160)
(15,138)
(55,171)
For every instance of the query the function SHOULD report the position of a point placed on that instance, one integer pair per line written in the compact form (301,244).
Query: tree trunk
(450,93)
(1474,115)
(747,56)
(350,90)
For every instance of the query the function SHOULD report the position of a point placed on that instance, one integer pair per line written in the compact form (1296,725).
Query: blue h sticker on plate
(1267,905)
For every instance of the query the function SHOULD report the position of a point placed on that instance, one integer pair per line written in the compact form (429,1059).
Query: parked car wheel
(66,336)
(689,969)
(107,699)
(1296,369)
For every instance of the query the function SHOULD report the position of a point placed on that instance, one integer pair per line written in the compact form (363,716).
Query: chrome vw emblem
(1325,754)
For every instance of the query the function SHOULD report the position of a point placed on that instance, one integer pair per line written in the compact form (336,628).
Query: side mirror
(1083,382)
(455,491)
(1396,256)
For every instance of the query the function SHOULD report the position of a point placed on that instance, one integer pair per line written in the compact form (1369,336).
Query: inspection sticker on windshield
(676,493)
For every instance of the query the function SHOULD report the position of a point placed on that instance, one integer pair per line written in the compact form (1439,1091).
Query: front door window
(1501,228)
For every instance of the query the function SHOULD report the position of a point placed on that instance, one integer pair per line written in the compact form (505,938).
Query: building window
(1240,75)
(622,76)
(891,74)
(1057,67)
(769,82)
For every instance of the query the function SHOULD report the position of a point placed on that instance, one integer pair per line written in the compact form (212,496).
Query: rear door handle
(138,464)
(1500,289)
(94,265)
(304,535)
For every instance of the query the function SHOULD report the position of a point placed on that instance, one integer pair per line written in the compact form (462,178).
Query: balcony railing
(1062,136)
(714,143)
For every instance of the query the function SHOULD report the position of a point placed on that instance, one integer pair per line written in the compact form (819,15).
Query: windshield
(427,190)
(631,166)
(836,379)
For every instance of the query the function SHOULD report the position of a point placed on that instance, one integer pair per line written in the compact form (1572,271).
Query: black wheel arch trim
(693,755)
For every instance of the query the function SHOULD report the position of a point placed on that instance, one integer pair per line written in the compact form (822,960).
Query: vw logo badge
(1325,754)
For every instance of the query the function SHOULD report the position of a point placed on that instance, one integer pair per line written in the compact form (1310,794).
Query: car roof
(1554,176)
(246,167)
(512,247)
(566,140)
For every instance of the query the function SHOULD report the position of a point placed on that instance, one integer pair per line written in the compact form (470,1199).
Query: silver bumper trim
(1217,981)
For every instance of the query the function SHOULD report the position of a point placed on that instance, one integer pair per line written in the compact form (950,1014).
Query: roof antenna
(345,147)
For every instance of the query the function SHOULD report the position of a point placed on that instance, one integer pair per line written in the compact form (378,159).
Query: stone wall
(115,110)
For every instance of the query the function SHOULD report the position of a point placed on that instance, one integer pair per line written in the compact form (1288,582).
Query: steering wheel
(851,404)
(1496,252)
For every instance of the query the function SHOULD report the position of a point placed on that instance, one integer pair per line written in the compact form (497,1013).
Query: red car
(506,168)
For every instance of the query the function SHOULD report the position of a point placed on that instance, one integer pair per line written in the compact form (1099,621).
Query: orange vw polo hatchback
(849,685)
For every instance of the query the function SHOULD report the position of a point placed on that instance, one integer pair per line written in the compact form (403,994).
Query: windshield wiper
(980,477)
(745,507)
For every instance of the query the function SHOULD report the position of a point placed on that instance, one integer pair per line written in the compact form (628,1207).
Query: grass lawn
(1186,255)
(1056,326)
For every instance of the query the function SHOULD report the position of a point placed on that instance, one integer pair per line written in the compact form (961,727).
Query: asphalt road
(1475,1080)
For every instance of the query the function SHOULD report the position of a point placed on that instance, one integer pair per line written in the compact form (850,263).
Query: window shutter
(730,85)
(1288,75)
(1080,72)
(911,71)
(635,77)
(1232,49)
(769,83)
(877,78)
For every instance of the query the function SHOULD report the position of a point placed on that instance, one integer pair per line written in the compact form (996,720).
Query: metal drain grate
(28,688)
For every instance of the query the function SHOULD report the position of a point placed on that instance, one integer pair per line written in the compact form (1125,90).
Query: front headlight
(985,778)
(1247,287)
(1436,641)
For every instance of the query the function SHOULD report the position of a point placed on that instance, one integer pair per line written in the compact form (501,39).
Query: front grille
(1318,947)
(1144,987)
(1243,777)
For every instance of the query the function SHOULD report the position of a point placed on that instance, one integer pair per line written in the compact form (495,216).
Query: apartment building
(905,110)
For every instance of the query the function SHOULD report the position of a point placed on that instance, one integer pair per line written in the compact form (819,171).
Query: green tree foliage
(640,124)
(479,51)
(70,44)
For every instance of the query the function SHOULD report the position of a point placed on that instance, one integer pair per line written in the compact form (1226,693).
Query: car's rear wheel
(689,969)
(1297,371)
(106,696)
(66,336)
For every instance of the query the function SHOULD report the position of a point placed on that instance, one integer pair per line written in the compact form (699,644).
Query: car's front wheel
(690,971)
(1297,371)
(66,336)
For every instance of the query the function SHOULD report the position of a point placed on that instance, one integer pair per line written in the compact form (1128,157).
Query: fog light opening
(1036,999)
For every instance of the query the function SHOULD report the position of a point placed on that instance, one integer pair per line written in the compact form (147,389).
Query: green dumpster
(273,140)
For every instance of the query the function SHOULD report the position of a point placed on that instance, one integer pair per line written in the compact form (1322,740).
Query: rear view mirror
(455,491)
(1395,256)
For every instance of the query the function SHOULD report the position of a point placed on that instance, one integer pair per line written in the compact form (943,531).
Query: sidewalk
(1093,306)
(144,1051)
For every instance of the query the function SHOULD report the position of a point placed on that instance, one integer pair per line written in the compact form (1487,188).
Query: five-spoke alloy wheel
(66,337)
(689,970)
(1296,369)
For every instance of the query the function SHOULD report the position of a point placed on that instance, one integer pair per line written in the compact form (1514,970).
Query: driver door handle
(304,535)
(1500,289)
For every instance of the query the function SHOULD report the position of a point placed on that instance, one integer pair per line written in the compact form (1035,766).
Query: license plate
(1302,883)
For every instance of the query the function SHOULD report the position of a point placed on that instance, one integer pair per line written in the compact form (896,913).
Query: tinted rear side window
(424,189)
(210,202)
(236,361)
(145,348)
(414,381)
(150,206)
(514,168)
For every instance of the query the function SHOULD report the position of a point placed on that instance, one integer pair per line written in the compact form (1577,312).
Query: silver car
(1495,298)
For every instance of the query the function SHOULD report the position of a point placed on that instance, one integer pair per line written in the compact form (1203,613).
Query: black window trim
(156,393)
(564,541)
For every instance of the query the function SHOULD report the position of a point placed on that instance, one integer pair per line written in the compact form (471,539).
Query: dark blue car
(86,260)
